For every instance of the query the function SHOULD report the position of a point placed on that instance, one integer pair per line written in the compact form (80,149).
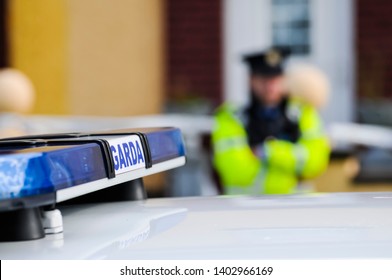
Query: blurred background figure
(17,97)
(278,139)
(307,83)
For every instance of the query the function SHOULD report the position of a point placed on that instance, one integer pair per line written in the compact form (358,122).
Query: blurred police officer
(277,140)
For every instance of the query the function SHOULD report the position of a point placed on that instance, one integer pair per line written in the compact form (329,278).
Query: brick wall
(194,49)
(374,48)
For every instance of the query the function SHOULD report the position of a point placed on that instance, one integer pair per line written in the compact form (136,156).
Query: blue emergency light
(40,171)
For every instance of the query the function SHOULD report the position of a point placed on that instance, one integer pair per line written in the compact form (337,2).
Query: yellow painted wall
(90,57)
(336,179)
(38,36)
(116,50)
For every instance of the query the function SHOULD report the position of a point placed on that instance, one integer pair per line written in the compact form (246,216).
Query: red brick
(374,47)
(194,47)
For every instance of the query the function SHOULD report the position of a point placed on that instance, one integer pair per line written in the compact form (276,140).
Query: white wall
(248,26)
(333,50)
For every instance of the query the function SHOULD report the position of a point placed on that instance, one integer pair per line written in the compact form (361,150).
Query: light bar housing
(42,170)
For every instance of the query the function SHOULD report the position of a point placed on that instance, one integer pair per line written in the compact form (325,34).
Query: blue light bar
(45,169)
(165,144)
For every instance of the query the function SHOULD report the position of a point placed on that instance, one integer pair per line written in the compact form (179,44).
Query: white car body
(317,226)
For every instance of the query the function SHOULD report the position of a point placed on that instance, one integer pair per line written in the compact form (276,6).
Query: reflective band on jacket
(309,135)
(301,154)
(224,145)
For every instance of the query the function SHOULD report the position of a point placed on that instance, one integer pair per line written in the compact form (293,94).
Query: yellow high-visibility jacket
(283,163)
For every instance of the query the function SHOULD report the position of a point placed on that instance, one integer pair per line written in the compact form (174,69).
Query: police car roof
(355,225)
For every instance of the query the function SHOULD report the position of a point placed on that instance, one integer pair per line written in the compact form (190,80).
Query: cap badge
(273,58)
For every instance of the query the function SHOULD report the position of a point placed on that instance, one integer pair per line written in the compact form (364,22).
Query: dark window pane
(291,25)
